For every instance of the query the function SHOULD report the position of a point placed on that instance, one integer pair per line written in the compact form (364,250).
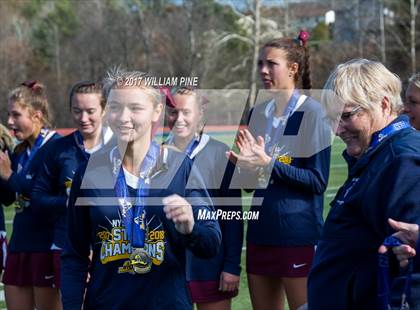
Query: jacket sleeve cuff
(232,268)
(193,238)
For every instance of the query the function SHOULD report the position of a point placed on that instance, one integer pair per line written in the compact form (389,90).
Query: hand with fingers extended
(180,212)
(252,153)
(409,234)
(244,142)
(228,282)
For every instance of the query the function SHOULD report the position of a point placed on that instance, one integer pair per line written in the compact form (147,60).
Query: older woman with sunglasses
(383,156)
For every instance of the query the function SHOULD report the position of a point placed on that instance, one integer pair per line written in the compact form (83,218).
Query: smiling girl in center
(136,208)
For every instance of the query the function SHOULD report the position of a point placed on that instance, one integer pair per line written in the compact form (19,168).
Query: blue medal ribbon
(272,134)
(25,159)
(134,216)
(384,280)
(190,147)
(388,131)
(79,142)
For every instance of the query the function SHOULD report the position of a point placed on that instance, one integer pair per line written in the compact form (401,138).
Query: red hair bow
(303,37)
(31,84)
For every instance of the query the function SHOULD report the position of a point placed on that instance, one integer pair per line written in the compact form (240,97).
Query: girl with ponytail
(286,148)
(28,277)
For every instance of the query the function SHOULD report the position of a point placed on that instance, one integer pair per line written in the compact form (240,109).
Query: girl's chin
(182,135)
(125,138)
(130,138)
(89,130)
(20,137)
(354,151)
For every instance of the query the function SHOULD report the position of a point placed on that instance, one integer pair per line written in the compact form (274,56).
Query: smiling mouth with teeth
(125,128)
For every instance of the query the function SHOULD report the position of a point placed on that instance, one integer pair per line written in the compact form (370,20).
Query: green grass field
(338,173)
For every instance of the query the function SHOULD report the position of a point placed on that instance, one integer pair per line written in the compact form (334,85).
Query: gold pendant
(140,261)
(21,203)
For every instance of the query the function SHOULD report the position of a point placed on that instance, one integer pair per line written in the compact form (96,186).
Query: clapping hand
(252,155)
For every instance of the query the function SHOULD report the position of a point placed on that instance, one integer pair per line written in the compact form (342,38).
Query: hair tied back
(31,84)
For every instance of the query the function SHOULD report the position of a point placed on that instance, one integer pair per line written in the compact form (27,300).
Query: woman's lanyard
(388,131)
(384,280)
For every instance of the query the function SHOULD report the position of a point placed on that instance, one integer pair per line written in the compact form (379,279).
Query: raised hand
(180,212)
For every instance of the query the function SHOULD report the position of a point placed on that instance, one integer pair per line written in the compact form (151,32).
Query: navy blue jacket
(383,183)
(53,182)
(98,225)
(292,207)
(32,232)
(217,172)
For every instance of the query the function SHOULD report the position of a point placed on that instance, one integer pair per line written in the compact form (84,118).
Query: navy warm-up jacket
(383,183)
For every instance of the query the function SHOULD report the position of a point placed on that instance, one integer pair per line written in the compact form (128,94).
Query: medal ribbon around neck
(79,141)
(134,216)
(388,131)
(190,147)
(272,134)
(24,158)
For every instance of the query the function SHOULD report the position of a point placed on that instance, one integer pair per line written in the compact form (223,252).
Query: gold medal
(21,202)
(18,208)
(140,261)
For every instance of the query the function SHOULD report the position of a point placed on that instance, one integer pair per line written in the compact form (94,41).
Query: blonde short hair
(365,83)
(415,79)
